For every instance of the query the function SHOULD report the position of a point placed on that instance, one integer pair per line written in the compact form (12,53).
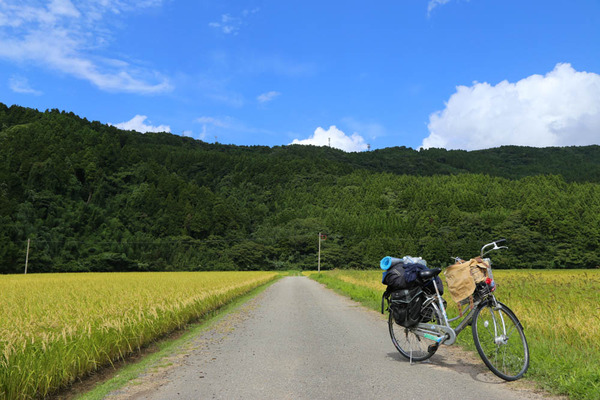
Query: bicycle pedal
(433,348)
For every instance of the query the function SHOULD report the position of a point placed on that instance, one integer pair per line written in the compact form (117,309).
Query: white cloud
(19,84)
(209,123)
(137,124)
(228,24)
(63,7)
(434,3)
(336,138)
(231,25)
(266,97)
(67,36)
(227,128)
(561,108)
(213,121)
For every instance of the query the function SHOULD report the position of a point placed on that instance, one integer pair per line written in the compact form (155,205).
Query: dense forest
(91,197)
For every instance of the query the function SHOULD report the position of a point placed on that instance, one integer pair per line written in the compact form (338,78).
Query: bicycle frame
(444,333)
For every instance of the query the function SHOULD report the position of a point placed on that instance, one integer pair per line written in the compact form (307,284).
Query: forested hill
(92,197)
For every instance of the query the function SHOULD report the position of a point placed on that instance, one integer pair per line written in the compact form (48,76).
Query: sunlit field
(559,309)
(55,328)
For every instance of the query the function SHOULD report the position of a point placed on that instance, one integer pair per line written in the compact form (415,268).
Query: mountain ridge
(93,197)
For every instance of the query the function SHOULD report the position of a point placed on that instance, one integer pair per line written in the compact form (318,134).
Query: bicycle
(497,333)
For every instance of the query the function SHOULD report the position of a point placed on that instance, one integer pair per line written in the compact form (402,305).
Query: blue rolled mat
(387,262)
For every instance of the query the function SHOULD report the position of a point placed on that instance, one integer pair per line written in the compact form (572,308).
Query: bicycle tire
(506,355)
(410,345)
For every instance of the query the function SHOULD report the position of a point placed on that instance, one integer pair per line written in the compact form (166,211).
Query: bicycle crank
(438,333)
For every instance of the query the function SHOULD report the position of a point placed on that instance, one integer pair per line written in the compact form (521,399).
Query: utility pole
(27,255)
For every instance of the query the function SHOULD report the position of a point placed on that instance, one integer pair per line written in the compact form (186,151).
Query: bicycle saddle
(429,274)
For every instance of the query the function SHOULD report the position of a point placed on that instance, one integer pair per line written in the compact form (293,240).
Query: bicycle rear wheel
(412,346)
(500,341)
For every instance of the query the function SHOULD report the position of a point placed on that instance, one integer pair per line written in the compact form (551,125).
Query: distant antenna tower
(216,140)
(368,147)
(329,142)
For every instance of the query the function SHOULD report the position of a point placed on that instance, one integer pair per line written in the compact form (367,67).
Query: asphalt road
(299,340)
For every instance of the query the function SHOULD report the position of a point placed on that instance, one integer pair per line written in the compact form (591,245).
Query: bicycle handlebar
(458,260)
(496,247)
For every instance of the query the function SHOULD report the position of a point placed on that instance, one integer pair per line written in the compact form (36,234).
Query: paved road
(299,340)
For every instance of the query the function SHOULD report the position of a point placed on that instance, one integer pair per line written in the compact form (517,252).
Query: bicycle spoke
(509,333)
(410,345)
(505,353)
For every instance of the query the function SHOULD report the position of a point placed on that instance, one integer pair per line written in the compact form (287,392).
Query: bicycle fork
(500,338)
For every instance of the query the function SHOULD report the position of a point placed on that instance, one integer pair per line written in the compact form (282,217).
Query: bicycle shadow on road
(460,361)
(456,360)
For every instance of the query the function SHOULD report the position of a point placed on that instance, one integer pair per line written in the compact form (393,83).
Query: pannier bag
(403,292)
(401,273)
(394,277)
(461,278)
(394,271)
(405,306)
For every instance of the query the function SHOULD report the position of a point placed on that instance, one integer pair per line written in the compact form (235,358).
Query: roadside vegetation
(560,311)
(56,328)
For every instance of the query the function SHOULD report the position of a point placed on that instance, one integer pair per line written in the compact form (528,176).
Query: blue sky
(464,74)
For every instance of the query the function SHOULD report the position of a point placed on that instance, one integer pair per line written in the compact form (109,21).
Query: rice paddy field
(56,328)
(559,309)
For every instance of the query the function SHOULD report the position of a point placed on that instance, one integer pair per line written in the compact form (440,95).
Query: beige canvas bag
(459,281)
(462,277)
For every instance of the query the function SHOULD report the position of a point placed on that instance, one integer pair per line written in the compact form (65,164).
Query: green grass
(559,309)
(365,295)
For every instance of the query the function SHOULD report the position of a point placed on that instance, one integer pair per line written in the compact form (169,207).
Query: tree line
(92,197)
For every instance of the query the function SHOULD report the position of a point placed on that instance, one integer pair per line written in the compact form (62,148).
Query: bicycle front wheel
(500,341)
(410,345)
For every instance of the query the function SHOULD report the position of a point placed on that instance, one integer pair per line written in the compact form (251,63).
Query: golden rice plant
(559,309)
(55,328)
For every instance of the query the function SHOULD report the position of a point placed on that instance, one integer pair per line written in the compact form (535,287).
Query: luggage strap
(386,295)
